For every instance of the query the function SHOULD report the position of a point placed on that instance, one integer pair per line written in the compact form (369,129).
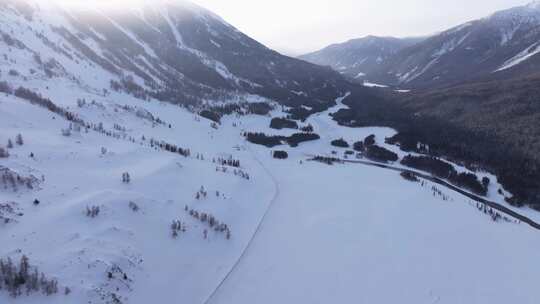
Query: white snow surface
(521,57)
(302,232)
(374,85)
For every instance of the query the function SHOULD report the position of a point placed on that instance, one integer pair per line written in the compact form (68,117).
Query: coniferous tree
(4,152)
(19,140)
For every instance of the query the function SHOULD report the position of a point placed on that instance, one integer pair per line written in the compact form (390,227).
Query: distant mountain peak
(534,5)
(529,12)
(356,58)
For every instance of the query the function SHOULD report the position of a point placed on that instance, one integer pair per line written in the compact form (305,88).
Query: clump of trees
(170,147)
(262,139)
(299,113)
(5,88)
(280,155)
(410,176)
(116,272)
(380,154)
(176,227)
(126,178)
(271,141)
(236,172)
(327,160)
(359,146)
(9,212)
(340,143)
(242,174)
(4,153)
(201,194)
(22,277)
(230,161)
(370,140)
(9,178)
(259,108)
(279,123)
(92,211)
(444,170)
(128,85)
(141,113)
(210,221)
(307,129)
(495,216)
(469,181)
(429,164)
(213,116)
(298,138)
(133,206)
(216,112)
(19,140)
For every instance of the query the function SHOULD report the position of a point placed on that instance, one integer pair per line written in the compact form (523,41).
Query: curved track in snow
(441,182)
(331,129)
(257,230)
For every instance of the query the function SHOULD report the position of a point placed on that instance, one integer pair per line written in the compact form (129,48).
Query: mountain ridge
(175,51)
(493,47)
(357,58)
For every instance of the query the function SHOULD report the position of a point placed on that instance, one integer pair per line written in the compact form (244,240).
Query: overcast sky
(299,26)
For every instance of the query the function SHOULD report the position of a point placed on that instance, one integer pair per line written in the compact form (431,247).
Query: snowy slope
(357,58)
(300,231)
(61,239)
(171,50)
(286,211)
(499,46)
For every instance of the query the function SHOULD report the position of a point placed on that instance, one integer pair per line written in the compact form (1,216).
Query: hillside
(157,154)
(358,58)
(500,46)
(170,50)
(127,252)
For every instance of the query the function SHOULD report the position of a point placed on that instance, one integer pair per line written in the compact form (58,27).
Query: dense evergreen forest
(476,148)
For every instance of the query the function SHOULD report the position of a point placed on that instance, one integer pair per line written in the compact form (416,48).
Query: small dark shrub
(341,143)
(280,154)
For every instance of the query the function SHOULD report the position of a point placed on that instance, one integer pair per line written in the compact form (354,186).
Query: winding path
(257,230)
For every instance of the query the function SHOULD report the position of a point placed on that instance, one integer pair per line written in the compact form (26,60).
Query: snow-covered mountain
(357,58)
(173,50)
(115,188)
(502,45)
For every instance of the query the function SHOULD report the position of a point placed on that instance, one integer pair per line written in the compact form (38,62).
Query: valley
(283,220)
(158,154)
